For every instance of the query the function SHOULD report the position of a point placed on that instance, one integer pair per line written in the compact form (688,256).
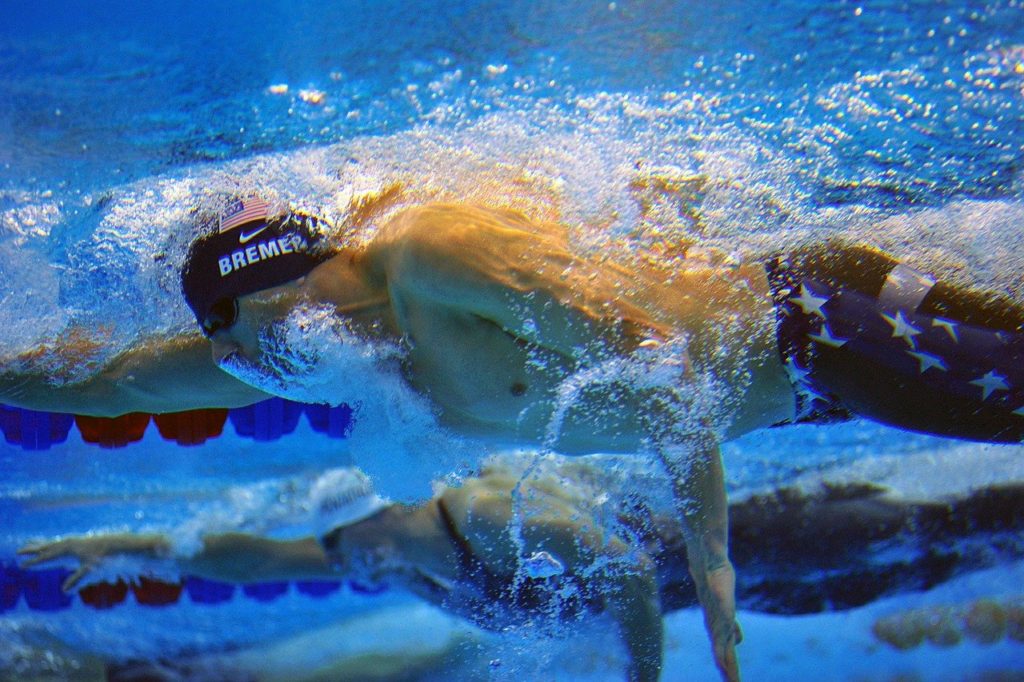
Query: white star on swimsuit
(949,326)
(989,382)
(928,361)
(809,303)
(825,337)
(797,374)
(901,329)
(809,395)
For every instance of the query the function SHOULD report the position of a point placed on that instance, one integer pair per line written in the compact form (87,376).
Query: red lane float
(149,592)
(191,428)
(103,596)
(113,432)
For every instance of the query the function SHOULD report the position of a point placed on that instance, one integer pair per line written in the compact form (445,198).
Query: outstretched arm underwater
(227,557)
(426,549)
(159,374)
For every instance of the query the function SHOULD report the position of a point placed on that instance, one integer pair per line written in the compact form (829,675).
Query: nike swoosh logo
(244,237)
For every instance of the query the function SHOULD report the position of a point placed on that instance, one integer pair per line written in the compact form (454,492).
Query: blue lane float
(335,422)
(210,592)
(317,588)
(10,586)
(265,592)
(34,430)
(42,589)
(266,421)
(367,588)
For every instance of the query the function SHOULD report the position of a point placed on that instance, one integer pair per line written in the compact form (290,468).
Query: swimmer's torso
(515,337)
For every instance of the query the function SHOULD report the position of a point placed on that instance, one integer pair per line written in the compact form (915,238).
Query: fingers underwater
(45,552)
(41,552)
(76,577)
(728,665)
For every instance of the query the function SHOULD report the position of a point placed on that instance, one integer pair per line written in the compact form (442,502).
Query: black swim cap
(250,252)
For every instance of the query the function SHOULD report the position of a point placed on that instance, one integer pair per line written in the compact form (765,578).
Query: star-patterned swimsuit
(863,335)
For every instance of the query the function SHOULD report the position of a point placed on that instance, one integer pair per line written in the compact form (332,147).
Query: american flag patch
(243,211)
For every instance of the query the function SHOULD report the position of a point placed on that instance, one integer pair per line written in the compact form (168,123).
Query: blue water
(115,115)
(921,95)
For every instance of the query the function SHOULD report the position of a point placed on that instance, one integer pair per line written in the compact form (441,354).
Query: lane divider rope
(265,421)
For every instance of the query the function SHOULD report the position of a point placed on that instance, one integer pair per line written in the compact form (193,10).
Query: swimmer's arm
(694,465)
(229,557)
(164,374)
(626,582)
(241,558)
(523,278)
(628,587)
(633,601)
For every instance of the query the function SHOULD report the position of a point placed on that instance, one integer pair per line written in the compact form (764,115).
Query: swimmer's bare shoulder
(519,273)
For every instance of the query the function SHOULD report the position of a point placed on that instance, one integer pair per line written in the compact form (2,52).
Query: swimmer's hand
(89,551)
(716,591)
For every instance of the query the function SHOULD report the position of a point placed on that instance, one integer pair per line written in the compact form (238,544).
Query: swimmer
(457,551)
(460,546)
(498,314)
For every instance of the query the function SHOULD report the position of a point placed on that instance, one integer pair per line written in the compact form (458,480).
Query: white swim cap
(341,497)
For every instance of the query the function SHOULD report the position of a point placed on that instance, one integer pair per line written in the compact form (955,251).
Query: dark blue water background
(882,101)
